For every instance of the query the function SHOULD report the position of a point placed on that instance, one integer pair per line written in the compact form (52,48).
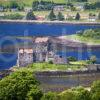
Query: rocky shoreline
(52,22)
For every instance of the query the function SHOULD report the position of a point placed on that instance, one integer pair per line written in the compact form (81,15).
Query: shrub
(50,96)
(95,90)
(34,94)
(50,62)
(67,95)
(82,94)
(17,85)
(70,58)
(30,16)
(52,16)
(77,16)
(60,17)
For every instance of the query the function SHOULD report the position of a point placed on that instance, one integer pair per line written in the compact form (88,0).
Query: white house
(92,18)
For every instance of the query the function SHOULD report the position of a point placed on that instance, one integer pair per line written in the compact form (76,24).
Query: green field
(54,67)
(84,40)
(29,2)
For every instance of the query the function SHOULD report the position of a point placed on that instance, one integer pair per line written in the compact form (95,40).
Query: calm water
(9,60)
(33,29)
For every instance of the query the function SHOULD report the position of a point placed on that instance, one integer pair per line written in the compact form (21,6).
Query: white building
(92,18)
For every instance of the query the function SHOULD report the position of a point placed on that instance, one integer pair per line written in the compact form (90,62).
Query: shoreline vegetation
(52,22)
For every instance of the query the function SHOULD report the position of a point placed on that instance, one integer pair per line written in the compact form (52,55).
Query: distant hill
(29,2)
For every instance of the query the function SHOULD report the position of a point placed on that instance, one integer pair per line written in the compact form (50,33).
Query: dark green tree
(13,4)
(77,16)
(35,5)
(30,16)
(52,16)
(60,16)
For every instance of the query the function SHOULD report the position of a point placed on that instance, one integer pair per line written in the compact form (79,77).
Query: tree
(93,59)
(67,95)
(82,94)
(34,94)
(95,90)
(60,17)
(50,96)
(99,16)
(30,16)
(17,85)
(13,4)
(52,16)
(35,5)
(77,16)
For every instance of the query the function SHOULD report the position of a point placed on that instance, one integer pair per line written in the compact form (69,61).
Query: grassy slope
(84,40)
(29,2)
(53,67)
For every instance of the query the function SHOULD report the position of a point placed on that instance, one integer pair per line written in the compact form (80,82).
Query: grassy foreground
(54,67)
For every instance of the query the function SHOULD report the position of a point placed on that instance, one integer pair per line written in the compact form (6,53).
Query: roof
(25,50)
(41,39)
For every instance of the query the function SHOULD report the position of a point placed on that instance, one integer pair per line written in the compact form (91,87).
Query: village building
(92,18)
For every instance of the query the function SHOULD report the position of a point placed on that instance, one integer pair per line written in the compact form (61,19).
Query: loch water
(8,60)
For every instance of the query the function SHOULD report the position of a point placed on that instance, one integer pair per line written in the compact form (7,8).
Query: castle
(42,50)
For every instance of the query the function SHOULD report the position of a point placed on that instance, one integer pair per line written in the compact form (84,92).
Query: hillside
(29,2)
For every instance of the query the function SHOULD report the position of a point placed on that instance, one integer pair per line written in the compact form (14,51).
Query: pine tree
(52,16)
(60,17)
(30,16)
(77,16)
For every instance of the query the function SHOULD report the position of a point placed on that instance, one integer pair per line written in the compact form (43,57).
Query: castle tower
(25,56)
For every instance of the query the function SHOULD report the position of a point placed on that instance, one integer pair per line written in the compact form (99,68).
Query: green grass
(51,67)
(82,39)
(29,2)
